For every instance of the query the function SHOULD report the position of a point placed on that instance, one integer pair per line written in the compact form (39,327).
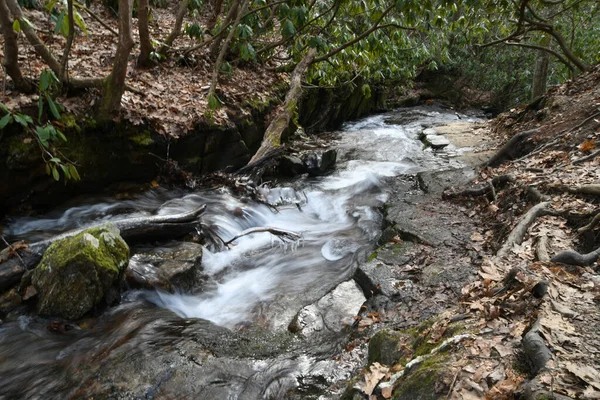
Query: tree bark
(540,74)
(11,51)
(217,5)
(114,85)
(214,47)
(181,12)
(39,46)
(217,67)
(64,62)
(145,42)
(272,136)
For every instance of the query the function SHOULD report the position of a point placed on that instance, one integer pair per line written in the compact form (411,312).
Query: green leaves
(243,32)
(247,52)
(7,119)
(16,26)
(288,29)
(213,101)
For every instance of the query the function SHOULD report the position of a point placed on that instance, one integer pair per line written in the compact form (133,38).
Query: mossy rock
(426,381)
(386,347)
(79,272)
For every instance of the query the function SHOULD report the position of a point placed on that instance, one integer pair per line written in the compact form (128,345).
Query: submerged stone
(79,272)
(166,268)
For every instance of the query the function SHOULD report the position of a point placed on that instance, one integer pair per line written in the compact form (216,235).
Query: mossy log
(272,136)
(132,230)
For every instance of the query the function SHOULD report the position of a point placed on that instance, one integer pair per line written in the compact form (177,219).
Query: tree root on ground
(519,231)
(535,349)
(571,257)
(541,249)
(591,225)
(484,188)
(591,189)
(510,150)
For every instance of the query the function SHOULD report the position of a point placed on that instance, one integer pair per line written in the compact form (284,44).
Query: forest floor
(170,97)
(526,324)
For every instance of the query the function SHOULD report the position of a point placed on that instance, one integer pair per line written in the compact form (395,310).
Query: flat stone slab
(436,141)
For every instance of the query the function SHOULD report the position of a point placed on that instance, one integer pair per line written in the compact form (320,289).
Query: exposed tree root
(592,189)
(591,225)
(510,150)
(535,349)
(519,231)
(485,188)
(571,257)
(541,249)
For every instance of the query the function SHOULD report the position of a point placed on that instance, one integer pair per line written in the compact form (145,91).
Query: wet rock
(291,166)
(9,301)
(317,162)
(332,313)
(165,268)
(438,181)
(80,272)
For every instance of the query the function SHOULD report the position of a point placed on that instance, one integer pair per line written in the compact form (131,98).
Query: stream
(228,336)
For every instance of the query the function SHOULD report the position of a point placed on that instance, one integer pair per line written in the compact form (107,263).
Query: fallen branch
(519,231)
(586,158)
(571,257)
(132,230)
(285,236)
(97,18)
(510,149)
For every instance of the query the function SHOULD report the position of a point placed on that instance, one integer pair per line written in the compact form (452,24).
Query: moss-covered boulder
(79,272)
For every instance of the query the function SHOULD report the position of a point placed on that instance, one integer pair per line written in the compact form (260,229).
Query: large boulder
(79,272)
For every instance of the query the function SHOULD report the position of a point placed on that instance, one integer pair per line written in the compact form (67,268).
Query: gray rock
(79,272)
(291,166)
(436,142)
(166,268)
(317,162)
(332,313)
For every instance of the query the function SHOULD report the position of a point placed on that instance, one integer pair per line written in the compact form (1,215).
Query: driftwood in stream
(132,230)
(510,150)
(272,136)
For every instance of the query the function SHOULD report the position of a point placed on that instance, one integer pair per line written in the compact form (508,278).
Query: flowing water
(230,338)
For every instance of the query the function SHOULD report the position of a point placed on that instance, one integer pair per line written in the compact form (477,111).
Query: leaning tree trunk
(145,42)
(181,12)
(114,85)
(217,67)
(11,51)
(214,47)
(272,136)
(540,74)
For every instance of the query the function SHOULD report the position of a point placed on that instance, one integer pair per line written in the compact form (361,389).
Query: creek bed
(264,318)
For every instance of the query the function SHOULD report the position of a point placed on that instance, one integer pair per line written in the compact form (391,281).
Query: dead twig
(283,235)
(13,250)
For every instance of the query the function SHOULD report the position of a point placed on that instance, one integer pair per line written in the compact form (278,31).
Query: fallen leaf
(372,378)
(587,146)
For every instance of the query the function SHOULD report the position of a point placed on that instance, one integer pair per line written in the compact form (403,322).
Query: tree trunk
(181,12)
(11,51)
(217,67)
(64,62)
(540,74)
(39,46)
(217,5)
(145,42)
(214,47)
(114,85)
(272,136)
